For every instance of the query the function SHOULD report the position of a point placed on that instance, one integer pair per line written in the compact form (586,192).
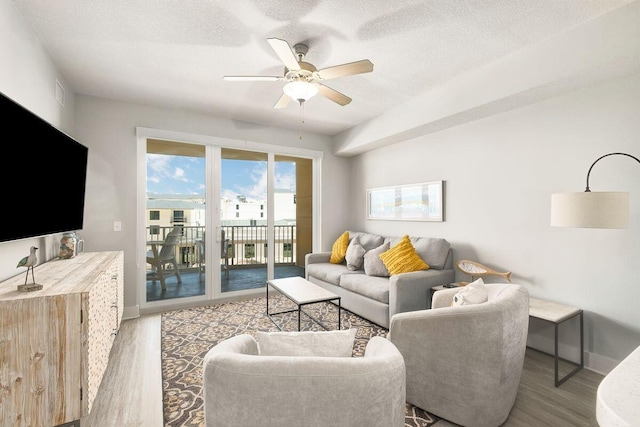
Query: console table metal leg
(339,313)
(559,381)
(555,353)
(581,341)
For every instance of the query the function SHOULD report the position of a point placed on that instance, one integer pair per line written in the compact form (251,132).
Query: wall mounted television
(43,176)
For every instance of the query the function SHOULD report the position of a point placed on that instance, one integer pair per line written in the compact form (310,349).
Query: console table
(557,314)
(55,342)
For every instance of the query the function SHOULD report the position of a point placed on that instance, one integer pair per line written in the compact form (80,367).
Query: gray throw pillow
(373,265)
(307,343)
(367,240)
(355,254)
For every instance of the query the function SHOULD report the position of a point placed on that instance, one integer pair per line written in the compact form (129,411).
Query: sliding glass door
(220,219)
(247,194)
(175,220)
(243,218)
(293,218)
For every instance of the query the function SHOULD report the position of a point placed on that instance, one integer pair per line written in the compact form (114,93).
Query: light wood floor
(130,394)
(131,391)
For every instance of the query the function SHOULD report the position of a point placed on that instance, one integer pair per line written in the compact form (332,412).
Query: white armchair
(464,363)
(244,387)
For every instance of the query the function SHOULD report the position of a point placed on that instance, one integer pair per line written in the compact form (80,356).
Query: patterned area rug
(187,336)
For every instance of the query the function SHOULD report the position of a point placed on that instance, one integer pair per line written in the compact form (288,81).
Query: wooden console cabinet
(55,342)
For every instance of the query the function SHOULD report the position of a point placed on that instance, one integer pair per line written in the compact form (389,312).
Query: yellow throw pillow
(339,249)
(402,258)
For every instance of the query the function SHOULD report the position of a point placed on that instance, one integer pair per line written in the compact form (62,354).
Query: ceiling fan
(304,79)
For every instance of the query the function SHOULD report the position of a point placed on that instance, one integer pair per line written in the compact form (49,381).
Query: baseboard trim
(592,361)
(131,312)
(600,364)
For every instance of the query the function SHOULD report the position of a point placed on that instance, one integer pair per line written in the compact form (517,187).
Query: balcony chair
(224,255)
(166,255)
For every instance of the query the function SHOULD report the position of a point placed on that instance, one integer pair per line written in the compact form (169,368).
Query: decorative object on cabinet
(475,269)
(56,341)
(598,209)
(68,246)
(411,202)
(29,261)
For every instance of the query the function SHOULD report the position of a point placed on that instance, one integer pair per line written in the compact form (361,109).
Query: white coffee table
(301,292)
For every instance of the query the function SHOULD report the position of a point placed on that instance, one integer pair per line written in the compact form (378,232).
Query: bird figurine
(29,261)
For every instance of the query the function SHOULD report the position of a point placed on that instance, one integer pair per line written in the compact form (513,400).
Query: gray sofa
(377,298)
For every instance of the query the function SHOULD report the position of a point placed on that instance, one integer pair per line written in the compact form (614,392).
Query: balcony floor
(239,279)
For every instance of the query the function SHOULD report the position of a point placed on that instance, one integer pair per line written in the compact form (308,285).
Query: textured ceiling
(174,53)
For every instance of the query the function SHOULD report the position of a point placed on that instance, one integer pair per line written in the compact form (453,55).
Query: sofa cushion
(339,248)
(373,265)
(376,288)
(355,254)
(432,250)
(307,343)
(328,272)
(402,258)
(367,240)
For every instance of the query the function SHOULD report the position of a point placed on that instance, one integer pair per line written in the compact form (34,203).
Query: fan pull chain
(301,117)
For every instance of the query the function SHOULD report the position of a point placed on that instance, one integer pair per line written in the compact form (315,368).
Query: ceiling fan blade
(333,95)
(282,102)
(252,78)
(358,67)
(284,52)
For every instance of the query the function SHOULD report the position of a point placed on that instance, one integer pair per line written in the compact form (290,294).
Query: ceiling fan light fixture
(300,91)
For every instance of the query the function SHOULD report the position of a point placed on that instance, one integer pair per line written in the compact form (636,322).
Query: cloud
(158,164)
(284,179)
(175,174)
(179,174)
(186,175)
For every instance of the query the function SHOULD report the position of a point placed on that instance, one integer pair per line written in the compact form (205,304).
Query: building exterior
(243,221)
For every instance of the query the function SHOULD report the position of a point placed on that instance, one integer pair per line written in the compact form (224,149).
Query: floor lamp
(597,209)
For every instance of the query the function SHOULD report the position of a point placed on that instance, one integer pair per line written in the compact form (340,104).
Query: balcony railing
(246,245)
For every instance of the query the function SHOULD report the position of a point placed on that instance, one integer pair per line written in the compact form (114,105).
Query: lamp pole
(602,157)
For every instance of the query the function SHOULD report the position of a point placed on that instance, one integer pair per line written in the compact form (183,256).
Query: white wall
(28,76)
(108,128)
(500,173)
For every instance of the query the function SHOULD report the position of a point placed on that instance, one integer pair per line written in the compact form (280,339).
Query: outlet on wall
(117,226)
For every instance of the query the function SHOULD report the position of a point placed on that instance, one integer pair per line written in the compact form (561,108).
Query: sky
(167,174)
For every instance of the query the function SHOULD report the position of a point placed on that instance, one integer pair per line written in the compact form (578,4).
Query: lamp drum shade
(590,209)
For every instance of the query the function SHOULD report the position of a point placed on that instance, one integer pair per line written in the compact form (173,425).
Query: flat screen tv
(43,176)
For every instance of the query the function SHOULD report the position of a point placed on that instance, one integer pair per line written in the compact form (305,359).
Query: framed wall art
(410,202)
